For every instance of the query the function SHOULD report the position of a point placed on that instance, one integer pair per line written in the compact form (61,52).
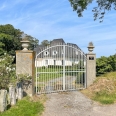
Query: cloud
(2,6)
(56,19)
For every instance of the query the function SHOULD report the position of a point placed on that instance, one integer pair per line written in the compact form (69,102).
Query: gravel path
(75,104)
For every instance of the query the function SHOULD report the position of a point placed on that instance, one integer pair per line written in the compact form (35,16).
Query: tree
(105,64)
(112,62)
(45,42)
(98,12)
(10,39)
(33,42)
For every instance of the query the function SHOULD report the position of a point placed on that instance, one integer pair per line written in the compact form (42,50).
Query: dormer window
(54,52)
(46,53)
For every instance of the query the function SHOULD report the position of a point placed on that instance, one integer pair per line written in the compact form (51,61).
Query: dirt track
(75,104)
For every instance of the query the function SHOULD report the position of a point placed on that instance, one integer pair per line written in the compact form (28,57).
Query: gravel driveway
(75,104)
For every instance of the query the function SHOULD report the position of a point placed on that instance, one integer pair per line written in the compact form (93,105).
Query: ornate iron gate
(60,68)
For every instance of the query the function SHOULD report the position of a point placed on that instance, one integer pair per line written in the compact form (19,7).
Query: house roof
(69,51)
(57,41)
(73,45)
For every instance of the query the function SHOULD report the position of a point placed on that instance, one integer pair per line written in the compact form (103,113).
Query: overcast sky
(52,19)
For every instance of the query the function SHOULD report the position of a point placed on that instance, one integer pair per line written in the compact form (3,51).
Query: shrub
(7,70)
(105,64)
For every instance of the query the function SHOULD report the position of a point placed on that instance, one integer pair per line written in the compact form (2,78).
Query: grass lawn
(53,75)
(103,89)
(26,107)
(48,73)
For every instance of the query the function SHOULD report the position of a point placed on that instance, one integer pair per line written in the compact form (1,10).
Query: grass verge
(26,107)
(103,90)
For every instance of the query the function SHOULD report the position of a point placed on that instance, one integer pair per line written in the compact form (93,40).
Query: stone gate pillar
(91,65)
(25,64)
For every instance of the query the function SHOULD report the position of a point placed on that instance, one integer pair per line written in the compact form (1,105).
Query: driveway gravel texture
(75,104)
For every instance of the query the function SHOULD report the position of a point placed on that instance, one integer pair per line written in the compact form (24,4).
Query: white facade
(55,62)
(56,55)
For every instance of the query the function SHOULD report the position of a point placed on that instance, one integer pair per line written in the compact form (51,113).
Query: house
(58,53)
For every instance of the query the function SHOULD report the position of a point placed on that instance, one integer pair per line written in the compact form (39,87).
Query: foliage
(105,64)
(10,39)
(7,70)
(79,5)
(81,64)
(80,78)
(45,42)
(23,77)
(103,89)
(33,41)
(25,107)
(98,12)
(112,61)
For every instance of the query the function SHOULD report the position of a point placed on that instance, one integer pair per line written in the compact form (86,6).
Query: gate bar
(63,67)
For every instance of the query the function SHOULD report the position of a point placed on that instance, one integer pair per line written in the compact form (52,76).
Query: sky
(53,19)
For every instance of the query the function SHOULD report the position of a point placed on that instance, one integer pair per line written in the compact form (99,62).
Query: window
(54,62)
(76,52)
(62,62)
(46,62)
(54,52)
(46,53)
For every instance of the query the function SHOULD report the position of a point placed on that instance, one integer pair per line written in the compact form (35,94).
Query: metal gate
(60,68)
